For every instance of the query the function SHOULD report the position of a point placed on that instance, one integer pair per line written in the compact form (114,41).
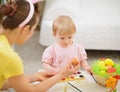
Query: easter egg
(108,66)
(117,77)
(74,61)
(102,73)
(111,70)
(101,64)
(102,59)
(103,68)
(109,62)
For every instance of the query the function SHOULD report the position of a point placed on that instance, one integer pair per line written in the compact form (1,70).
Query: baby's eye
(62,38)
(69,37)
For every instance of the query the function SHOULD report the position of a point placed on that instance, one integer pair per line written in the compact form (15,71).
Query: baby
(56,56)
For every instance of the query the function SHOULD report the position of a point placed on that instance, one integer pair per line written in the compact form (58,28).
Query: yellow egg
(101,64)
(109,62)
(102,72)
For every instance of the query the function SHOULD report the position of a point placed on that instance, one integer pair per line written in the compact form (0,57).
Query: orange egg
(74,61)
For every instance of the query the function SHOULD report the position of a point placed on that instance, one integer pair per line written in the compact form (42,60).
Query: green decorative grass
(96,69)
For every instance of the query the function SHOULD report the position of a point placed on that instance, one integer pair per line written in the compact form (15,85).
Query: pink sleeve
(85,65)
(82,53)
(47,56)
(83,58)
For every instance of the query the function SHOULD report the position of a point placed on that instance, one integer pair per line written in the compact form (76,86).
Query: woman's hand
(69,69)
(44,75)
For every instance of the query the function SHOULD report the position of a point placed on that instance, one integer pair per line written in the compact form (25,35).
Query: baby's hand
(89,71)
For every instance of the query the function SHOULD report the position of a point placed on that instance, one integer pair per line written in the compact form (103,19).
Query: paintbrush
(74,87)
(93,77)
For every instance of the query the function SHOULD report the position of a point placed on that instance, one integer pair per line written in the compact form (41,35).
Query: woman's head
(13,14)
(20,18)
(63,31)
(63,26)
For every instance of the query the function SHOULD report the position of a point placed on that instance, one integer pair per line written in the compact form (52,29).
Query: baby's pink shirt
(58,57)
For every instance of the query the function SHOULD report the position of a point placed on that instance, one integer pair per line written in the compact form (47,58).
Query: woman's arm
(39,76)
(21,83)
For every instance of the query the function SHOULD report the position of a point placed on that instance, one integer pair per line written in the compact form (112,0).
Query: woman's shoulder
(10,55)
(7,53)
(10,59)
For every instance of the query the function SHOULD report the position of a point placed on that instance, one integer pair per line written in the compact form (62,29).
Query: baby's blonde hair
(64,26)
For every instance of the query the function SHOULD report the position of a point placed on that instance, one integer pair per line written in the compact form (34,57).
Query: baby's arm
(86,66)
(50,69)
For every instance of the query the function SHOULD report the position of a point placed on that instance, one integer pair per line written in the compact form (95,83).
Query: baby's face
(64,41)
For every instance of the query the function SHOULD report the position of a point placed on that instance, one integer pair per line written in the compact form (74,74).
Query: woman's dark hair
(14,13)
